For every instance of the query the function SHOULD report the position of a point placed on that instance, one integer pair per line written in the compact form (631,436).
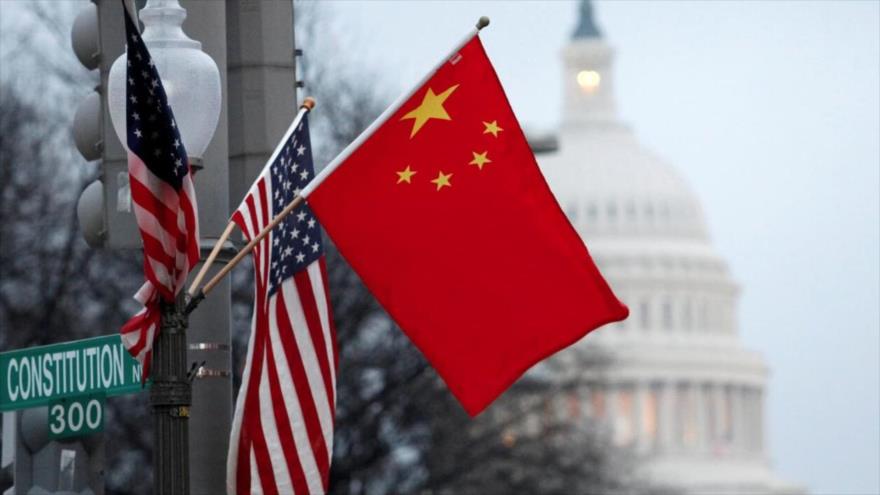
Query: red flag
(441,209)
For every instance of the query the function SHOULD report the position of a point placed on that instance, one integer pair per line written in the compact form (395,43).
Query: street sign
(76,416)
(34,376)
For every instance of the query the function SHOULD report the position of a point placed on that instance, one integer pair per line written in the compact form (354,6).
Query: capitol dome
(680,390)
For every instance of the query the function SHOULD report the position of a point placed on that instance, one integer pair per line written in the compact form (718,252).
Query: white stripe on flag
(309,358)
(256,484)
(270,431)
(292,403)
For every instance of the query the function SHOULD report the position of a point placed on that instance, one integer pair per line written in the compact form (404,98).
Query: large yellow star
(442,180)
(431,108)
(480,159)
(405,175)
(492,128)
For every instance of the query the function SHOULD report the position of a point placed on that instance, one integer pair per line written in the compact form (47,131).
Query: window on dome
(630,211)
(649,213)
(667,315)
(703,316)
(645,314)
(592,213)
(612,212)
(686,317)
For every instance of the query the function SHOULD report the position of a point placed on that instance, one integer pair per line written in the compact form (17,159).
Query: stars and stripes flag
(162,195)
(282,432)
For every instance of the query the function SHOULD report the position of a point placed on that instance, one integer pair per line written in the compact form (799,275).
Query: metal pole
(170,398)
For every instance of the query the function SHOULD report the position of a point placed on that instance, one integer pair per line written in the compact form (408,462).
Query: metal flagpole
(170,399)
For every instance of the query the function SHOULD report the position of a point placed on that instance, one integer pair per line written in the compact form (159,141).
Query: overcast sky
(771,112)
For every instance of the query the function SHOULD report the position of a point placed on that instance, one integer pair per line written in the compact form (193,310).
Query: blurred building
(681,390)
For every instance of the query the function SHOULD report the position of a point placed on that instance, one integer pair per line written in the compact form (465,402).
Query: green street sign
(76,416)
(34,376)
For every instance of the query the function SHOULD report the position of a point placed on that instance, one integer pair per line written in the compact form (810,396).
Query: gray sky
(771,111)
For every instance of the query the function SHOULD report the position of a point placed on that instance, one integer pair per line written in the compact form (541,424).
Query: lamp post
(192,84)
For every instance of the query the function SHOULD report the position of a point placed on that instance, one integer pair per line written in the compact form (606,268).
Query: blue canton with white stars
(152,132)
(296,241)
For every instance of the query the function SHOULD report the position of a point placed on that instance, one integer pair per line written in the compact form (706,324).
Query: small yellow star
(442,180)
(430,108)
(480,159)
(492,128)
(405,175)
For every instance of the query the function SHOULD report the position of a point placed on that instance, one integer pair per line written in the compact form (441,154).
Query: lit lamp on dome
(189,75)
(588,80)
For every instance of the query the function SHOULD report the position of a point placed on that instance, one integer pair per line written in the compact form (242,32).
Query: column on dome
(739,424)
(666,424)
(718,441)
(640,392)
(702,400)
(611,410)
(754,413)
(690,432)
(759,418)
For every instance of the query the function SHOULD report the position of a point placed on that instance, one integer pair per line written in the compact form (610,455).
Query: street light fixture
(189,75)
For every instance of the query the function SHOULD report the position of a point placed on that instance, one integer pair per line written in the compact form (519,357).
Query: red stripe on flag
(252,409)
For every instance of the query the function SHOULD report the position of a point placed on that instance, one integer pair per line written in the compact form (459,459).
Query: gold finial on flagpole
(308,103)
(483,22)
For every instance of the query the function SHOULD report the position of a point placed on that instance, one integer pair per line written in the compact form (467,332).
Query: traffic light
(104,208)
(40,465)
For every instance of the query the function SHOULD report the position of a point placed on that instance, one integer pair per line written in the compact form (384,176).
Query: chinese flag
(441,209)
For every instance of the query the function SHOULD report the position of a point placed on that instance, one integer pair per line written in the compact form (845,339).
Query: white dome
(609,185)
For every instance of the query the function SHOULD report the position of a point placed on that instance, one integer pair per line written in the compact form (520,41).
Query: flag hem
(474,411)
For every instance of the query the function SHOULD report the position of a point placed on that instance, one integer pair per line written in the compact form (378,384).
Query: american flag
(282,433)
(162,194)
